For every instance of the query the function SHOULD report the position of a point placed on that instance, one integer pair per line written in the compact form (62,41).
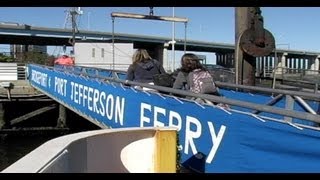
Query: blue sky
(293,27)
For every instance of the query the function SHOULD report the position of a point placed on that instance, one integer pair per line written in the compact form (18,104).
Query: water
(14,146)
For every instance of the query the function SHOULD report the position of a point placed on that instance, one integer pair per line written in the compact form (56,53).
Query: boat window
(93,52)
(102,52)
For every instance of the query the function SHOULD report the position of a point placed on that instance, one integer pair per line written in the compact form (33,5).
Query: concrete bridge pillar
(317,65)
(165,59)
(225,59)
(281,65)
(62,120)
(314,66)
(155,51)
(218,58)
(158,53)
(2,120)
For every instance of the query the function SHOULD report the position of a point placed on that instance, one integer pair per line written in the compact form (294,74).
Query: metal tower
(71,19)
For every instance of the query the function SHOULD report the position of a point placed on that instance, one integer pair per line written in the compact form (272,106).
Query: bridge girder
(32,40)
(54,36)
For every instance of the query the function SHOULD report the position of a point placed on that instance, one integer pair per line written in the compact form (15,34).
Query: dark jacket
(144,71)
(181,81)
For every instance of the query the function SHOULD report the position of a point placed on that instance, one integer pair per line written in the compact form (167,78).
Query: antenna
(79,11)
(88,28)
(151,11)
(71,19)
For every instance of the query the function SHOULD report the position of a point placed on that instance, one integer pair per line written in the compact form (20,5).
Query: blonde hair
(140,55)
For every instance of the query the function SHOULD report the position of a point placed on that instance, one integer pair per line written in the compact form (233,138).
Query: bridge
(25,34)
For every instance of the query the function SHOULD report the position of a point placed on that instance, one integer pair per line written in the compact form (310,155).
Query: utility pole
(173,43)
(89,21)
(72,15)
(251,40)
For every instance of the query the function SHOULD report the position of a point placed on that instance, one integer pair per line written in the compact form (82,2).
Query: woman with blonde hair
(143,67)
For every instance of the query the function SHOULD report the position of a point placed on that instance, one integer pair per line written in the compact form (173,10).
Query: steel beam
(148,17)
(45,32)
(32,114)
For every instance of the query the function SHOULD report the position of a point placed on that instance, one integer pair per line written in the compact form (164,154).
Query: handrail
(254,106)
(316,72)
(230,85)
(264,108)
(12,71)
(270,90)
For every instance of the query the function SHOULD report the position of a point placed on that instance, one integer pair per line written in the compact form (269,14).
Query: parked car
(220,73)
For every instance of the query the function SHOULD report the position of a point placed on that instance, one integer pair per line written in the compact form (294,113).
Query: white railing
(12,71)
(306,76)
(122,67)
